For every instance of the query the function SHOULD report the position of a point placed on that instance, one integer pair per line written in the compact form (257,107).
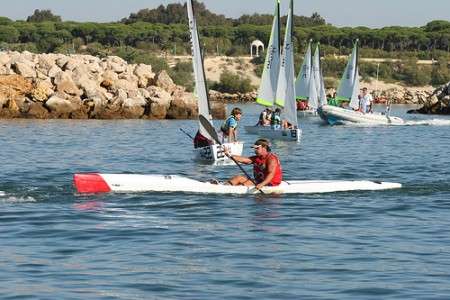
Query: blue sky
(340,13)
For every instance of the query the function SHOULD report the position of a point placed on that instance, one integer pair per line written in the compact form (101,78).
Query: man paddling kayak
(266,167)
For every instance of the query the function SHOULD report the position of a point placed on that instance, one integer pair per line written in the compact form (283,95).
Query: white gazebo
(259,46)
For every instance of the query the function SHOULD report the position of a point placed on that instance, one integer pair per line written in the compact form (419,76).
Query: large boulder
(35,111)
(24,70)
(9,113)
(163,80)
(180,110)
(41,90)
(68,87)
(437,103)
(57,105)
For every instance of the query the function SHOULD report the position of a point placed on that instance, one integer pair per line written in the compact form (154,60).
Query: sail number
(208,152)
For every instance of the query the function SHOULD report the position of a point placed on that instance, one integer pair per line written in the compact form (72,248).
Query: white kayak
(335,115)
(98,183)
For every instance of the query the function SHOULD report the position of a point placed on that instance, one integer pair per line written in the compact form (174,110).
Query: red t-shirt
(260,170)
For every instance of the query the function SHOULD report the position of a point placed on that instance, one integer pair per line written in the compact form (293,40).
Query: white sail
(199,72)
(349,87)
(269,77)
(285,95)
(314,83)
(309,81)
(304,76)
(318,77)
(312,96)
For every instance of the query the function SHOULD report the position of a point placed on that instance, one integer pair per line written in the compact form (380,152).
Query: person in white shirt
(264,117)
(366,101)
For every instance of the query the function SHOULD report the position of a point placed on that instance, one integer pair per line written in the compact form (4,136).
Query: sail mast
(286,82)
(199,70)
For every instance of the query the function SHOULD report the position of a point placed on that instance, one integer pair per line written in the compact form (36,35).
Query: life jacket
(273,119)
(224,128)
(260,170)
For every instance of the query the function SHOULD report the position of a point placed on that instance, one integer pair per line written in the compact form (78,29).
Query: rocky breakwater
(437,103)
(83,86)
(405,96)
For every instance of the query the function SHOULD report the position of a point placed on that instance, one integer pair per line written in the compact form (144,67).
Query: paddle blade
(209,128)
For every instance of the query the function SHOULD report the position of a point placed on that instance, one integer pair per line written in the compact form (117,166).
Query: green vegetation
(232,83)
(149,34)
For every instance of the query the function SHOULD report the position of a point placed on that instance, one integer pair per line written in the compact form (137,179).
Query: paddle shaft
(212,132)
(187,133)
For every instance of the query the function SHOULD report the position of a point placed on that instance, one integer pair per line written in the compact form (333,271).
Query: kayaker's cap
(261,142)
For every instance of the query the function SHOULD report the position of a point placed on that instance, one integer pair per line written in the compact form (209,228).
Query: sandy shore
(214,66)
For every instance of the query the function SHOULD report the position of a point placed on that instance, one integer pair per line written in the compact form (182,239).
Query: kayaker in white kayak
(266,167)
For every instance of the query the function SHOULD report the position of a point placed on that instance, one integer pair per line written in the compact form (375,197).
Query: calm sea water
(58,244)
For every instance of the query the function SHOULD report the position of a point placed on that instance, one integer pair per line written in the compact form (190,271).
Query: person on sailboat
(228,129)
(302,105)
(266,167)
(366,101)
(264,117)
(333,100)
(276,122)
(201,141)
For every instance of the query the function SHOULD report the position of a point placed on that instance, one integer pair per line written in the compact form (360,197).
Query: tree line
(165,29)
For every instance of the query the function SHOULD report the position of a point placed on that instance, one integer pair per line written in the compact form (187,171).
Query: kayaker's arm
(238,158)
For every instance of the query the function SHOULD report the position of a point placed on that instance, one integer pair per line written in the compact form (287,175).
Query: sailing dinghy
(349,90)
(278,84)
(269,77)
(309,86)
(305,91)
(212,153)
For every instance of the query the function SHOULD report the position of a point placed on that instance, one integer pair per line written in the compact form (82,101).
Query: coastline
(86,87)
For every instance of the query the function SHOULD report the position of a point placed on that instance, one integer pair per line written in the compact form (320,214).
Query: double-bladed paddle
(212,132)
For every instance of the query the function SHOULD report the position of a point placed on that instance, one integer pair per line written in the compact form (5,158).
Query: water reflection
(91,206)
(267,213)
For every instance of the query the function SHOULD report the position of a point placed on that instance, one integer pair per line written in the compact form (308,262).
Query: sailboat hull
(214,154)
(307,113)
(336,115)
(281,134)
(254,129)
